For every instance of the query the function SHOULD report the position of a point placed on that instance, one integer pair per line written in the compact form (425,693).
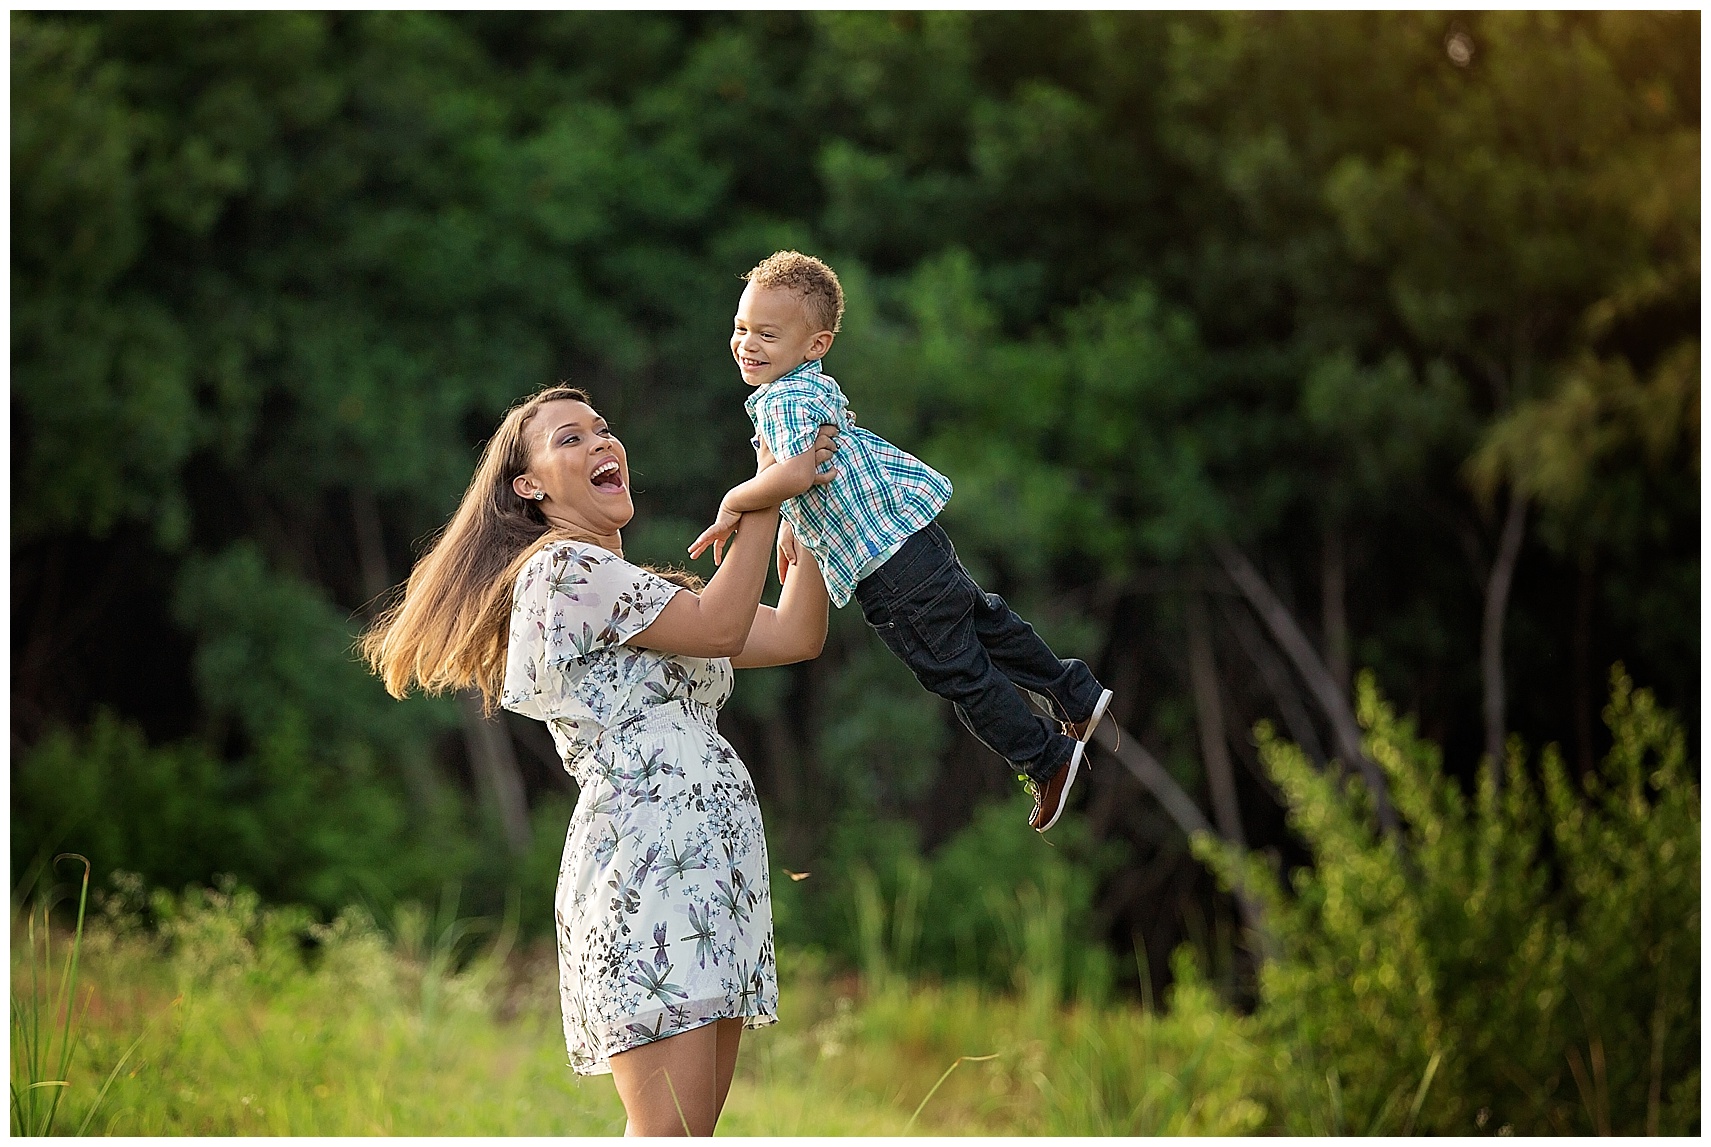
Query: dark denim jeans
(967,646)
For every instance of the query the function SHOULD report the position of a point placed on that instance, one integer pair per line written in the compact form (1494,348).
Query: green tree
(1171,297)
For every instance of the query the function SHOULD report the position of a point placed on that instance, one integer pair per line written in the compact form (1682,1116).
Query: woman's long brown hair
(449,631)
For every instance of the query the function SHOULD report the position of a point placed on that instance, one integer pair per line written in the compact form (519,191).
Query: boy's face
(773,334)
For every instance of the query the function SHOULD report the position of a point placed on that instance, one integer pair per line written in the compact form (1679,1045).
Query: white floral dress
(664,908)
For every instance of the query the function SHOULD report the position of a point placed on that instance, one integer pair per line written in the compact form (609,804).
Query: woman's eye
(569,440)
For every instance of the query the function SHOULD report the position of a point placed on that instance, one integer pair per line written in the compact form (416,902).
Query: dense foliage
(1402,307)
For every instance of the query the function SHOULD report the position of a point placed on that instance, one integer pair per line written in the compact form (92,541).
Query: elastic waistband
(579,764)
(698,710)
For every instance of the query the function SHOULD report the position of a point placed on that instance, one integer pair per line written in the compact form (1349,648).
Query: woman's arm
(796,630)
(716,622)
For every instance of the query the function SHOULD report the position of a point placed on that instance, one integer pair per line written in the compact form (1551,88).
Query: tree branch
(488,743)
(1276,677)
(1153,777)
(1290,638)
(1209,717)
(1220,776)
(1491,627)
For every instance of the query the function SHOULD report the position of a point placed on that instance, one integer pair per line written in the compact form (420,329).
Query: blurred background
(1262,350)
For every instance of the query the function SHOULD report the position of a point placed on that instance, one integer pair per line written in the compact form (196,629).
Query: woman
(664,913)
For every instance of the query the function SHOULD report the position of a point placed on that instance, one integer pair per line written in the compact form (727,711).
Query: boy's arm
(777,482)
(774,482)
(790,426)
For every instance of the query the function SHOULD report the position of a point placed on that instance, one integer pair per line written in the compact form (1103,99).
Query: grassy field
(227,1018)
(1464,987)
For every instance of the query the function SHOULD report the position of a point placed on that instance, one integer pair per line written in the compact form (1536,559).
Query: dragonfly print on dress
(701,931)
(661,960)
(679,863)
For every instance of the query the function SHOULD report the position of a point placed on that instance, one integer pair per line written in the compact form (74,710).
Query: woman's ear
(524,487)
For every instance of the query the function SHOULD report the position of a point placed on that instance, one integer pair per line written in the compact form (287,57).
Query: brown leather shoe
(1049,798)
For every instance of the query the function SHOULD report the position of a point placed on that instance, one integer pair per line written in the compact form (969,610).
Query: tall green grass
(210,1013)
(40,1006)
(45,1013)
(257,1020)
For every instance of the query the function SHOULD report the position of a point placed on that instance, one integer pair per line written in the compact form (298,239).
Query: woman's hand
(786,551)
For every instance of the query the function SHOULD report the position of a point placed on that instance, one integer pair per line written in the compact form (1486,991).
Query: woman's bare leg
(730,1036)
(671,1086)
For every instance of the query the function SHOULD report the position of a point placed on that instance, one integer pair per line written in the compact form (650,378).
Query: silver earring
(539,494)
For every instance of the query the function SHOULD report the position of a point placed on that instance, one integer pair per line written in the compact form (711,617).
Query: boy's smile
(773,334)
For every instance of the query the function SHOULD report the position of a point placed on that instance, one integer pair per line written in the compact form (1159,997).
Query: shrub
(1526,959)
(309,783)
(283,819)
(995,904)
(126,805)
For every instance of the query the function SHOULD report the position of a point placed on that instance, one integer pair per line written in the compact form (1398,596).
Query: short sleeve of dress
(789,419)
(570,601)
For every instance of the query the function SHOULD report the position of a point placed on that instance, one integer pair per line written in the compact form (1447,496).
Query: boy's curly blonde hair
(813,280)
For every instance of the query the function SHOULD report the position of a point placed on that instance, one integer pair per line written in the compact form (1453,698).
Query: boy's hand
(825,445)
(718,535)
(803,471)
(786,550)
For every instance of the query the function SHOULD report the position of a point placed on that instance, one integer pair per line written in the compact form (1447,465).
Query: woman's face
(580,465)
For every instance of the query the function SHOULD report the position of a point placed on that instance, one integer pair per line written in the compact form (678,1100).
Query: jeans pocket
(942,625)
(899,639)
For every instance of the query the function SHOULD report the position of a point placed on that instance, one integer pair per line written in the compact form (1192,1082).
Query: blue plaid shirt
(880,497)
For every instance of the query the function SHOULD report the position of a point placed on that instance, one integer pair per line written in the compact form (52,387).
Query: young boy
(872,530)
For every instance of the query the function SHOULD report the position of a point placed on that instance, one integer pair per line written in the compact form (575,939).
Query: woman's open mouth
(607,477)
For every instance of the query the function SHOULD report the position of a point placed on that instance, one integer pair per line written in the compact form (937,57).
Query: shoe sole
(1068,784)
(1099,708)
